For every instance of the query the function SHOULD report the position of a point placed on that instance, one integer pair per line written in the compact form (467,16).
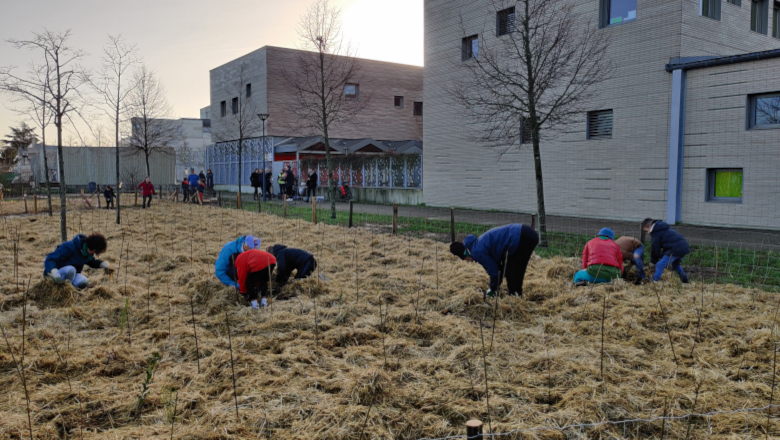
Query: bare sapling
(603,318)
(484,367)
(436,256)
(20,370)
(195,333)
(698,320)
(149,292)
(419,289)
(772,395)
(501,276)
(232,367)
(693,410)
(62,362)
(666,323)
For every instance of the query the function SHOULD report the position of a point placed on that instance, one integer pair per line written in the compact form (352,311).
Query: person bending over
(225,267)
(513,244)
(633,251)
(602,260)
(669,248)
(253,269)
(67,261)
(289,259)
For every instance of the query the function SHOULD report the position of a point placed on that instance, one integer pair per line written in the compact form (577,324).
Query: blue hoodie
(667,241)
(224,267)
(492,247)
(71,253)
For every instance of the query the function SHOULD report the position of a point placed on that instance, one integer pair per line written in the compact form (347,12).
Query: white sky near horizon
(182,40)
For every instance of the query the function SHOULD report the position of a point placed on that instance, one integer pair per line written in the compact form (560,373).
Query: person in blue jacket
(289,259)
(225,267)
(68,260)
(192,179)
(511,244)
(669,248)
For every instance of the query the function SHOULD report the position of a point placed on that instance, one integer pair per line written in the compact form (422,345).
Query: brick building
(693,135)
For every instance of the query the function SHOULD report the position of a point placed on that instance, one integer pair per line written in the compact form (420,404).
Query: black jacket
(255,180)
(109,193)
(312,182)
(289,259)
(667,241)
(289,178)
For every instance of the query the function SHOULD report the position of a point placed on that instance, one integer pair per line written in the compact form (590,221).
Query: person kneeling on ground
(510,244)
(602,260)
(669,247)
(225,267)
(253,269)
(68,260)
(633,251)
(289,259)
(108,193)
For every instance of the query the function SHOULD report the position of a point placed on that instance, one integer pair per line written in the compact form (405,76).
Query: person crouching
(67,261)
(602,260)
(289,259)
(253,270)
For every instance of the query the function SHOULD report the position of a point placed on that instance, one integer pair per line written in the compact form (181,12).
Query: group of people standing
(193,184)
(286,180)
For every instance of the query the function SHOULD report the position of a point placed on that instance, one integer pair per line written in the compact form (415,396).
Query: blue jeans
(68,273)
(674,262)
(583,275)
(639,253)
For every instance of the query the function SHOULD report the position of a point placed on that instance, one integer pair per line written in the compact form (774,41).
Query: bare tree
(114,89)
(151,116)
(63,83)
(325,80)
(37,111)
(539,74)
(242,121)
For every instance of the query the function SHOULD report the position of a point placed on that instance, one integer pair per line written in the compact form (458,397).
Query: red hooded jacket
(602,251)
(250,261)
(147,189)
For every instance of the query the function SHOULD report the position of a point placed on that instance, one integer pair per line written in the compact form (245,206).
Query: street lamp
(263,117)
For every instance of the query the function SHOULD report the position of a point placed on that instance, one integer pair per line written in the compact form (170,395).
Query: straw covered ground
(396,355)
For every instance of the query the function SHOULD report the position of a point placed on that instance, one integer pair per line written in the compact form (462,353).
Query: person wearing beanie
(253,272)
(225,267)
(289,259)
(602,260)
(503,252)
(668,248)
(633,251)
(67,261)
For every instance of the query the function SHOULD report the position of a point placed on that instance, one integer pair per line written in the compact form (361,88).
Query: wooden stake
(313,211)
(35,205)
(135,202)
(232,368)
(474,429)
(395,219)
(716,264)
(25,203)
(238,200)
(350,213)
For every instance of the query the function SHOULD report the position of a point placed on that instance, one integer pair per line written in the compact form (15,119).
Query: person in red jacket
(602,260)
(147,190)
(253,272)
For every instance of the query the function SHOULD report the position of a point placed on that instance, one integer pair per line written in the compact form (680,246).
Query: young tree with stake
(539,75)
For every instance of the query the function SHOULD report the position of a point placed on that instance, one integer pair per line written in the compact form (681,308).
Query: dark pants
(517,263)
(290,190)
(310,192)
(185,193)
(255,195)
(109,203)
(146,202)
(308,268)
(269,189)
(257,284)
(193,195)
(282,189)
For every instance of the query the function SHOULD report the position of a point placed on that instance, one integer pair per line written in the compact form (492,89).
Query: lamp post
(263,117)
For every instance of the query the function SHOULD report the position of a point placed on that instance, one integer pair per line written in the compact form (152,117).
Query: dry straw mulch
(327,364)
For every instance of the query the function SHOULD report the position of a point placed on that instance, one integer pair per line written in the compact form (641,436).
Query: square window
(759,11)
(505,21)
(776,20)
(248,90)
(234,105)
(616,11)
(764,110)
(600,124)
(469,47)
(735,2)
(223,108)
(351,92)
(710,9)
(398,102)
(724,185)
(418,108)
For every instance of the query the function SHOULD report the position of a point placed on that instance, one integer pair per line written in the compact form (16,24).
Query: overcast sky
(183,40)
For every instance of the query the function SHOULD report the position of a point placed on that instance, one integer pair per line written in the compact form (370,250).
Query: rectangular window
(600,124)
(776,20)
(398,102)
(724,185)
(735,2)
(764,110)
(710,9)
(223,108)
(505,21)
(234,105)
(469,47)
(759,11)
(351,92)
(418,108)
(613,12)
(248,90)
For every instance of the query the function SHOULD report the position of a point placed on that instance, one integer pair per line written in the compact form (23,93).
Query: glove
(490,293)
(104,265)
(263,302)
(254,303)
(55,275)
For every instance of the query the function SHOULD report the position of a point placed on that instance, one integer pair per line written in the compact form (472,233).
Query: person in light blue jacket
(225,267)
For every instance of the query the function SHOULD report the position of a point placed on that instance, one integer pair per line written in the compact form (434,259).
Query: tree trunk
(63,187)
(240,151)
(116,150)
(46,170)
(539,190)
(331,182)
(147,153)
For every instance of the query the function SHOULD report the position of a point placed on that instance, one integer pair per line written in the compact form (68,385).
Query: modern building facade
(691,134)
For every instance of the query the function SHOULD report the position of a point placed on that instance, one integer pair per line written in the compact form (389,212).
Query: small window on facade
(398,102)
(616,11)
(248,90)
(418,108)
(470,47)
(223,108)
(600,124)
(234,105)
(351,92)
(759,11)
(710,9)
(505,21)
(724,185)
(735,2)
(764,110)
(776,20)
